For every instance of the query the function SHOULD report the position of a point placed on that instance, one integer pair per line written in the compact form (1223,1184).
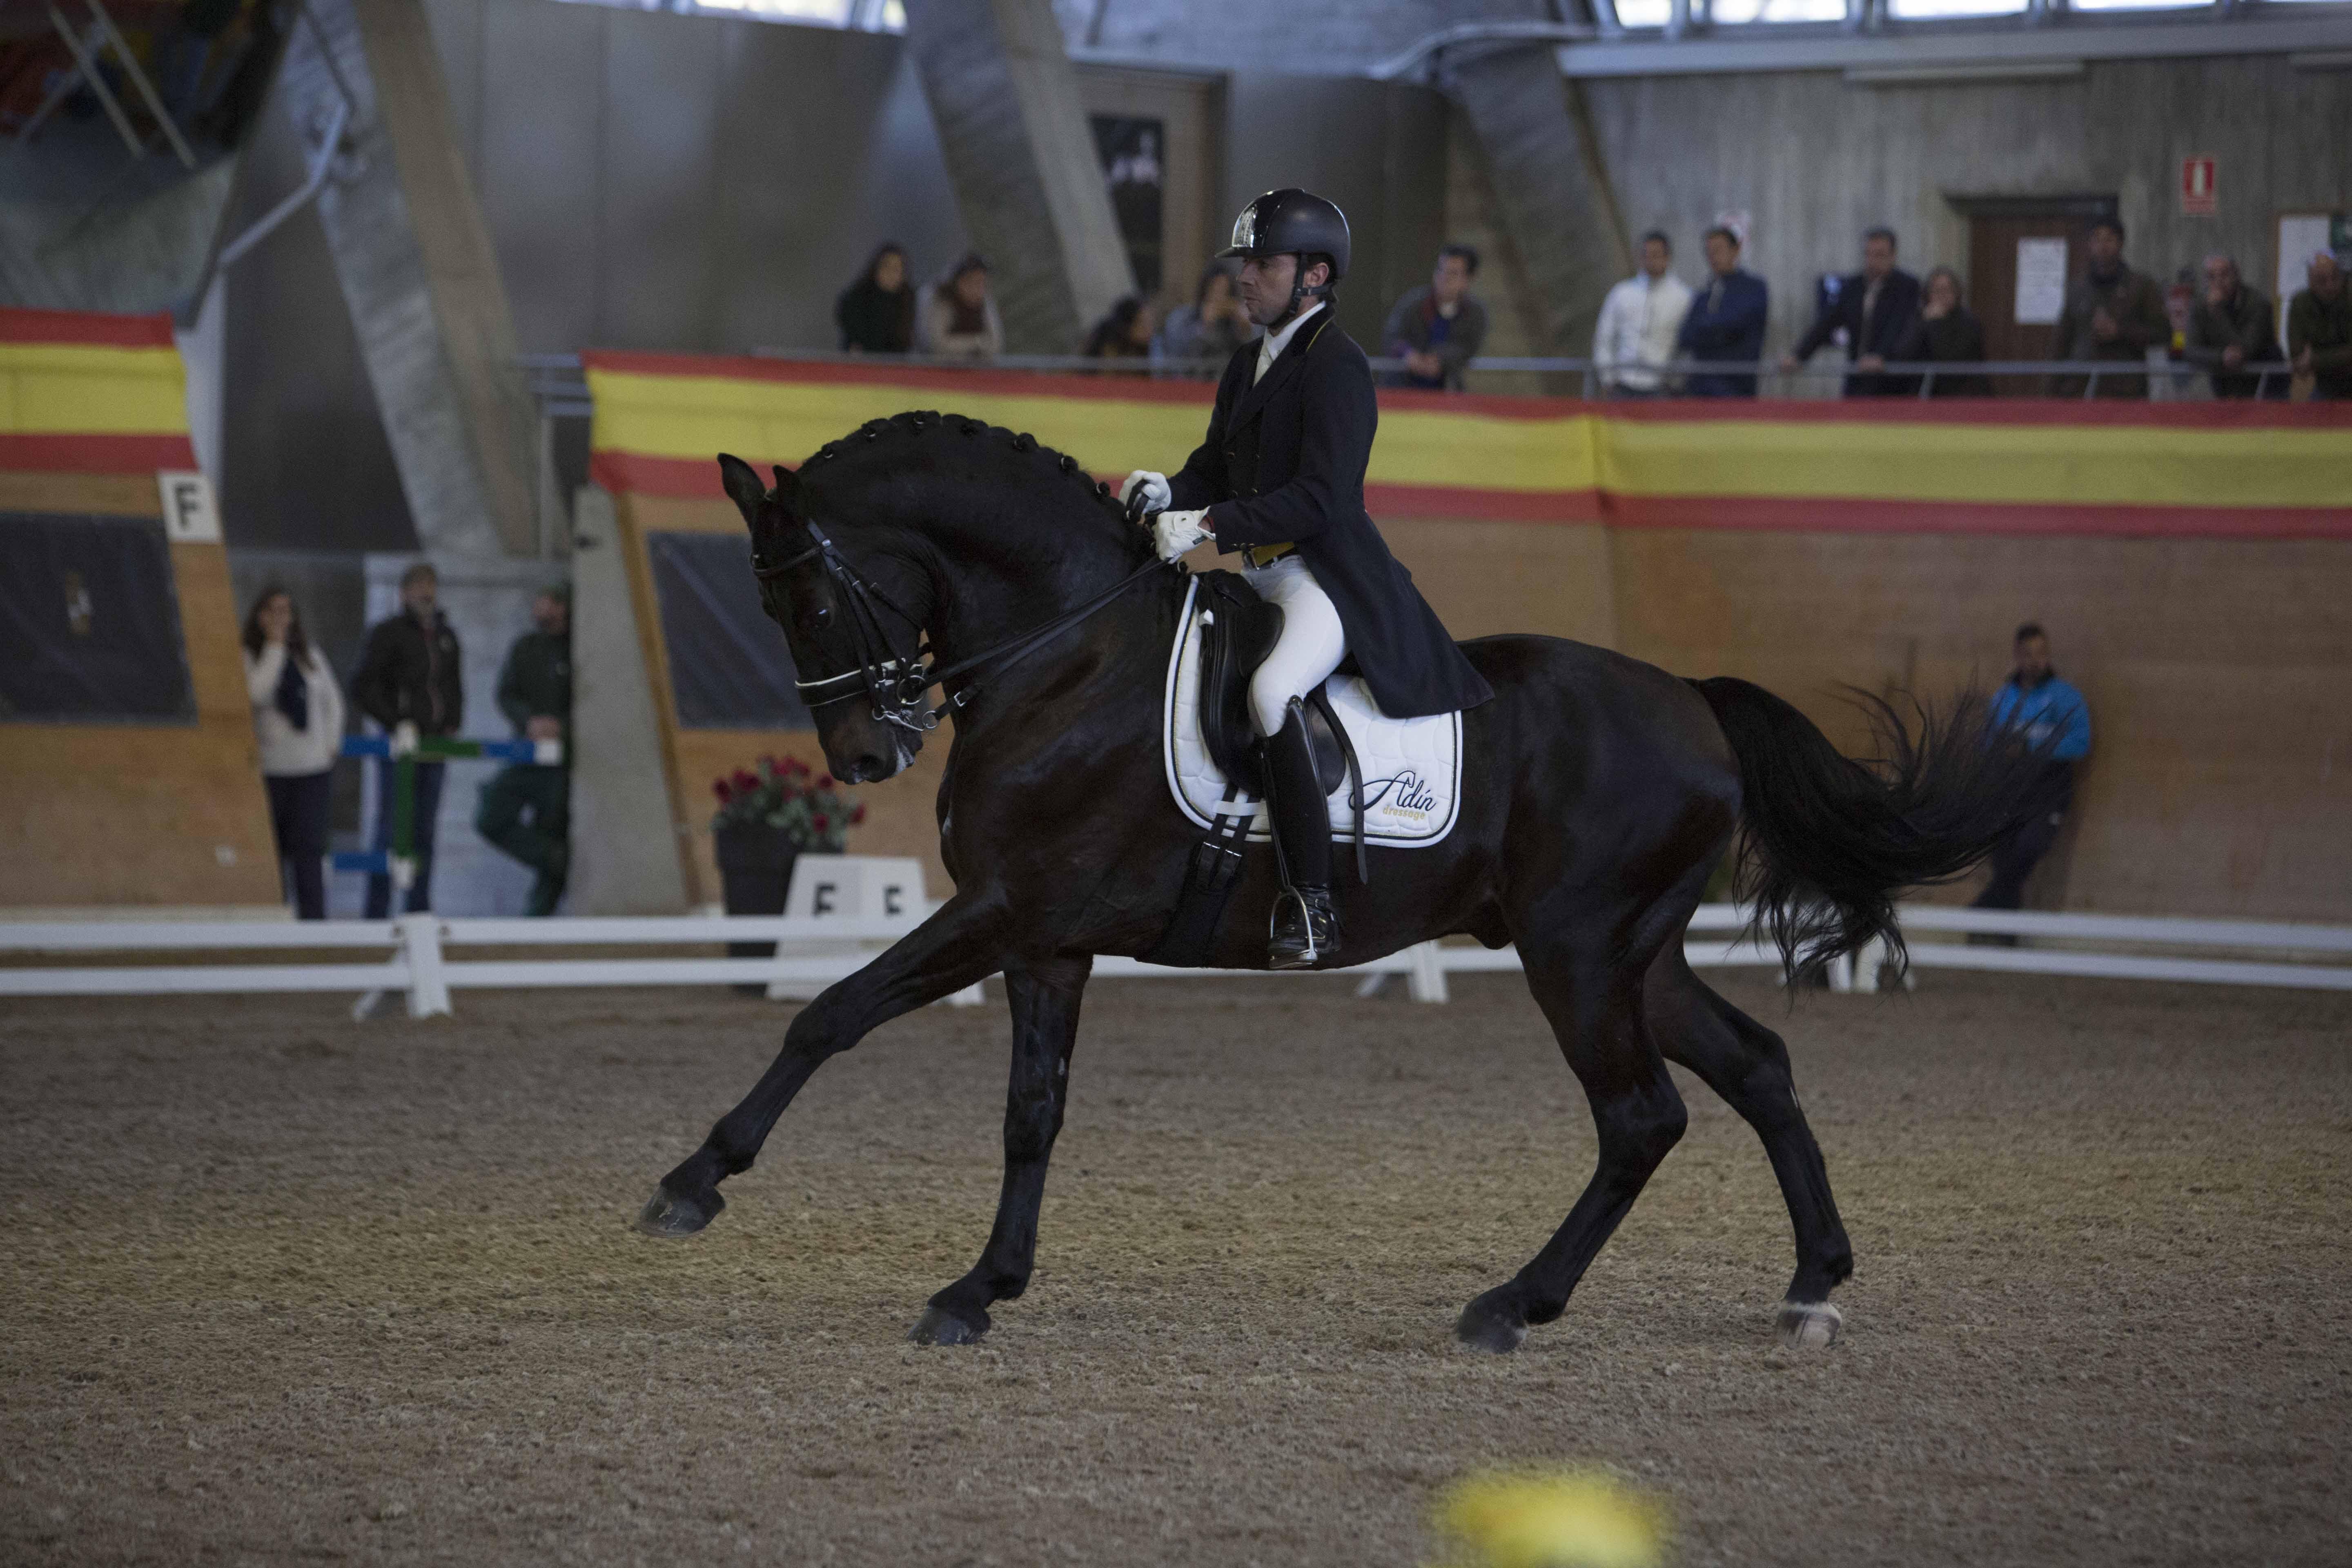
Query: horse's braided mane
(929,424)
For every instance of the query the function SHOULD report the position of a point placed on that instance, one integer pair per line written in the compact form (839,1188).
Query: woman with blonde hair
(298,720)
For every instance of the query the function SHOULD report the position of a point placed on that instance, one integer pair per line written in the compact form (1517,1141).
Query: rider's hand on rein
(1156,495)
(1174,532)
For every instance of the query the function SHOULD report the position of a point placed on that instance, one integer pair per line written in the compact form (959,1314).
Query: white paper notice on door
(2041,281)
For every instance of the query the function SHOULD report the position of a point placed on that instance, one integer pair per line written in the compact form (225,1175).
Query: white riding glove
(1174,532)
(1156,493)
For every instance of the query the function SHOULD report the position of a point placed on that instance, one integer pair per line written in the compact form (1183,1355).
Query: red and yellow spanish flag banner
(83,392)
(2238,470)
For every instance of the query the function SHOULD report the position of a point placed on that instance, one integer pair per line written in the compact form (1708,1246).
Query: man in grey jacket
(1438,327)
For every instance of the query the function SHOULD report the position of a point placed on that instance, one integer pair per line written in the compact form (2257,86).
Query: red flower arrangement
(786,793)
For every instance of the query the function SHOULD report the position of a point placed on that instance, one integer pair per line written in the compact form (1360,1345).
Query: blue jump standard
(430,749)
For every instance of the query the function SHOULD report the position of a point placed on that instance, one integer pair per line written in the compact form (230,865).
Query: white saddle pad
(1413,767)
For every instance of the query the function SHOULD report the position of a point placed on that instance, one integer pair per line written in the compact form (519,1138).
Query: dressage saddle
(1238,629)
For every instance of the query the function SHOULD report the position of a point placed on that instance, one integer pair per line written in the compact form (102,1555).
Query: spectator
(2233,327)
(1870,312)
(526,808)
(1946,333)
(876,313)
(2319,329)
(1725,324)
(1212,327)
(1125,332)
(2047,714)
(1438,327)
(958,319)
(1638,323)
(298,722)
(409,679)
(2111,313)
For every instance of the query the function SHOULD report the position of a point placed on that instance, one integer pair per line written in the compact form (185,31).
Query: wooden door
(1157,134)
(2006,239)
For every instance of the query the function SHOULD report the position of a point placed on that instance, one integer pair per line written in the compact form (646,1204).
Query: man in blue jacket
(2043,710)
(1726,321)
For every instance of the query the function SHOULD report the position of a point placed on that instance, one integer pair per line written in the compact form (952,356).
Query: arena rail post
(1425,982)
(429,982)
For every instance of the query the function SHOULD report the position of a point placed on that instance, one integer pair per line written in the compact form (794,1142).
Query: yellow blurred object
(1553,1518)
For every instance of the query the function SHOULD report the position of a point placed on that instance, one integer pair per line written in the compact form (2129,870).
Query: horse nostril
(870,769)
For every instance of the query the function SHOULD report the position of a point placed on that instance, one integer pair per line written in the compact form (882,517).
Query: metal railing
(559,383)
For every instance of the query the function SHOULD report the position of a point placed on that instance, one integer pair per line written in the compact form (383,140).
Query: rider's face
(1265,284)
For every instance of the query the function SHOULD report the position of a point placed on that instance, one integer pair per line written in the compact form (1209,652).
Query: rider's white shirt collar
(1270,345)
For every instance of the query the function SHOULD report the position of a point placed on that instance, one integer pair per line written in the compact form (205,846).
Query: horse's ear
(788,485)
(743,486)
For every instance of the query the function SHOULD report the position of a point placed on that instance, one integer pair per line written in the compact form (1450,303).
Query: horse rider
(1280,479)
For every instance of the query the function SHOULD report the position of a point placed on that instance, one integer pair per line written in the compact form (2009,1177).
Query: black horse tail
(1826,842)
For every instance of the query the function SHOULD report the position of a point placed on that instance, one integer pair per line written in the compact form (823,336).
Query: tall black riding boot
(1306,930)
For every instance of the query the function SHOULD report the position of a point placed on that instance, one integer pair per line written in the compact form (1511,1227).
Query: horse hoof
(1491,1325)
(1810,1325)
(674,1218)
(938,1326)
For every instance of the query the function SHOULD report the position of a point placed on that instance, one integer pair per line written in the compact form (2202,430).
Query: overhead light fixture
(1978,71)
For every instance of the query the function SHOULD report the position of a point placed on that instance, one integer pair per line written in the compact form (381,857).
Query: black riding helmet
(1292,222)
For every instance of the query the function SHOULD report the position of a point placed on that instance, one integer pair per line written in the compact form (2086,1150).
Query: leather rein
(893,684)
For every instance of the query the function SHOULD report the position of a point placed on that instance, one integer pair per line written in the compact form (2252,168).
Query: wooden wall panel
(131,814)
(2214,671)
(1485,578)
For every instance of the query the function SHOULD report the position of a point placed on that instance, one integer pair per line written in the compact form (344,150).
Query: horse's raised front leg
(1045,997)
(961,943)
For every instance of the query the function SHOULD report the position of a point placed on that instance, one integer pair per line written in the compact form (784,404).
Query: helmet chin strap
(1300,293)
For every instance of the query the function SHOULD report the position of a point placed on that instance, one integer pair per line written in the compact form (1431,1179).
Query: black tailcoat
(1284,460)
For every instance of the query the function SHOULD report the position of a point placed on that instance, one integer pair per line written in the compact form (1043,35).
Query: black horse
(1598,794)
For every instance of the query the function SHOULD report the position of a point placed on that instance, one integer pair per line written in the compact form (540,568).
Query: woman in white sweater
(298,718)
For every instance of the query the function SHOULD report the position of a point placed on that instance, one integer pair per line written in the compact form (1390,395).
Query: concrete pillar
(1549,182)
(626,856)
(418,271)
(1028,183)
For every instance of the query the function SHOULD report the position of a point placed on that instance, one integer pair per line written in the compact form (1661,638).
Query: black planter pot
(755,873)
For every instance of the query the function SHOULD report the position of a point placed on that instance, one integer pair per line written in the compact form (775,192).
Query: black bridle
(895,683)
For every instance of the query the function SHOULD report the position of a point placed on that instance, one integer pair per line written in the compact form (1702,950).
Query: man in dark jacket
(1726,321)
(1281,479)
(1439,327)
(409,680)
(1870,312)
(2319,329)
(2234,329)
(525,809)
(2111,313)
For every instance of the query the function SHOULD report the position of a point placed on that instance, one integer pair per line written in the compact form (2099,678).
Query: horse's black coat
(1598,793)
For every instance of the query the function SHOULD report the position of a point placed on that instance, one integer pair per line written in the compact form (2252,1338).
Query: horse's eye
(824,617)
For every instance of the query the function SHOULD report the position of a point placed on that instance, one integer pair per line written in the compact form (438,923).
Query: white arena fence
(413,954)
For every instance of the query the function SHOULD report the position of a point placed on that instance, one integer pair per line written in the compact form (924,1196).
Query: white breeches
(1312,647)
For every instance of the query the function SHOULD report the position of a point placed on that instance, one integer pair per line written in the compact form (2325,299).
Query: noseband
(893,684)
